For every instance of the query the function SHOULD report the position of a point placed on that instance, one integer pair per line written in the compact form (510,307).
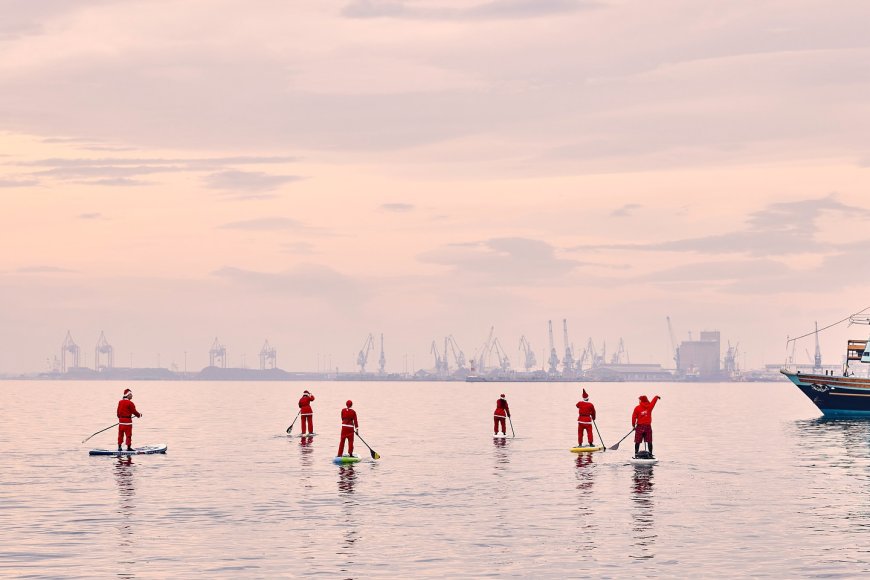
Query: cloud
(26,18)
(248,181)
(18,182)
(780,229)
(43,270)
(306,280)
(492,10)
(505,261)
(397,207)
(265,224)
(625,210)
(95,215)
(299,248)
(192,162)
(117,182)
(105,171)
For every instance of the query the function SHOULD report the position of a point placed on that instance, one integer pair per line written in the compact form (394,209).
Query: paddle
(615,447)
(100,431)
(375,454)
(599,435)
(290,428)
(513,433)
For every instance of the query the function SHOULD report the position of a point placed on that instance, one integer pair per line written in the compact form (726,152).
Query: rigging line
(827,327)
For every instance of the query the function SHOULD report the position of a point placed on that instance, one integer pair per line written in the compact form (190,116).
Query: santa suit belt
(585,422)
(500,416)
(343,426)
(125,424)
(306,414)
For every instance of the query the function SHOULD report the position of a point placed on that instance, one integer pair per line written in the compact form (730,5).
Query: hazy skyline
(309,173)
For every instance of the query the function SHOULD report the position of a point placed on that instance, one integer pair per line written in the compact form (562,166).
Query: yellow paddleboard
(587,449)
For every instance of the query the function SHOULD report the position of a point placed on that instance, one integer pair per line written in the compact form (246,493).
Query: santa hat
(128,393)
(305,392)
(502,396)
(585,395)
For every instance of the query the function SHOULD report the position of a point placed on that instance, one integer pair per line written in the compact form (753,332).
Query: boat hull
(834,396)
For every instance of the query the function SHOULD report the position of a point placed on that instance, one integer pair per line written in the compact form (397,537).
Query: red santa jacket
(643,412)
(126,410)
(348,419)
(502,409)
(305,404)
(587,412)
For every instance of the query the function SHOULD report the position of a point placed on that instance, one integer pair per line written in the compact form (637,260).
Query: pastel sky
(311,172)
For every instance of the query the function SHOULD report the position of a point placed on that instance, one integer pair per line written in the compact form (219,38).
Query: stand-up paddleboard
(643,458)
(346,459)
(500,436)
(144,450)
(587,449)
(304,436)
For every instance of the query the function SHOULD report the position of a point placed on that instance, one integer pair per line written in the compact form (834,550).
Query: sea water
(751,482)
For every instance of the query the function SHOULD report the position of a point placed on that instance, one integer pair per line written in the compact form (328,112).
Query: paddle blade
(289,429)
(615,447)
(375,454)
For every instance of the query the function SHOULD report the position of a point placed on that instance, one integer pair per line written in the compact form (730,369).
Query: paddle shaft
(375,455)
(514,433)
(615,447)
(599,434)
(100,431)
(290,428)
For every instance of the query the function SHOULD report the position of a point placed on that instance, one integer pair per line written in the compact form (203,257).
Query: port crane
(731,366)
(458,355)
(568,359)
(268,357)
(363,357)
(69,346)
(103,347)
(554,358)
(529,360)
(440,366)
(382,361)
(483,353)
(675,352)
(504,362)
(217,354)
(620,356)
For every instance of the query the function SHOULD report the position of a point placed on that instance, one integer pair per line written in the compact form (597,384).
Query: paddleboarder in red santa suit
(349,424)
(126,412)
(584,419)
(501,411)
(306,413)
(641,420)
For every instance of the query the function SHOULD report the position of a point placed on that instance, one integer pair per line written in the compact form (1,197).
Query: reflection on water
(586,502)
(643,533)
(124,480)
(306,460)
(347,479)
(820,431)
(501,455)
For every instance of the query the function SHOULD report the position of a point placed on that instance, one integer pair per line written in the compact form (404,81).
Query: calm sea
(751,482)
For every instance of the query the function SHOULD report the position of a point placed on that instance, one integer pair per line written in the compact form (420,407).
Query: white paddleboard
(641,462)
(500,436)
(144,450)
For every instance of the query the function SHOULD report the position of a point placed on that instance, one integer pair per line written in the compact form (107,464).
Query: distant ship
(838,396)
